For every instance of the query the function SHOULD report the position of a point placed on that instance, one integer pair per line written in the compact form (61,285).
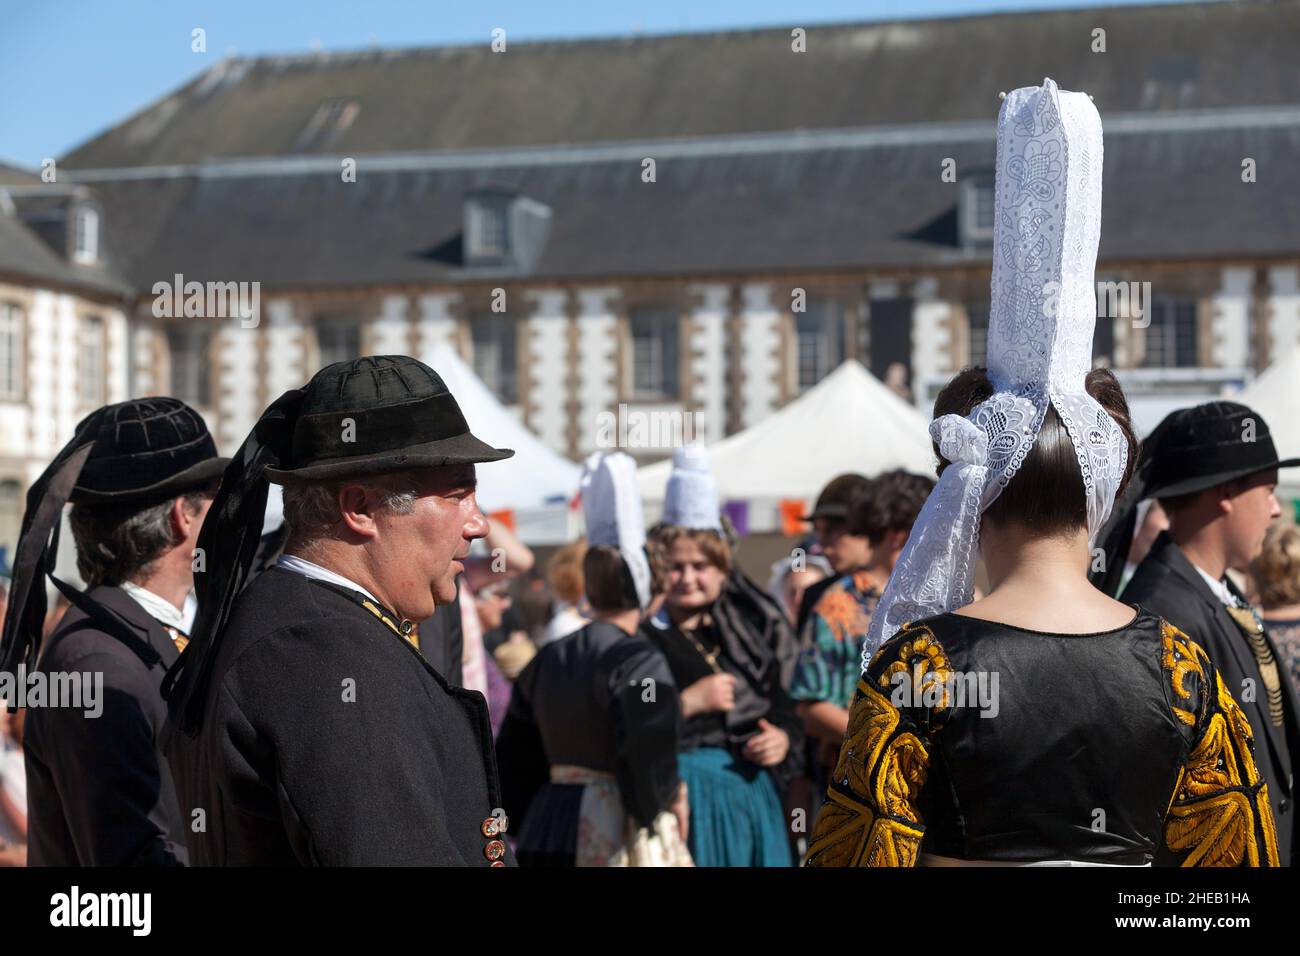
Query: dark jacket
(1168,585)
(99,791)
(442,642)
(602,699)
(328,740)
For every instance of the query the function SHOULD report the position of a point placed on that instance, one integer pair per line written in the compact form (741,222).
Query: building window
(977,318)
(496,355)
(91,360)
(654,353)
(977,217)
(487,239)
(85,247)
(11,518)
(190,365)
(1171,336)
(819,331)
(11,352)
(337,340)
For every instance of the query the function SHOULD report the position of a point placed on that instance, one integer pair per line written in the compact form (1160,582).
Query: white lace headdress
(1043,312)
(611,507)
(691,497)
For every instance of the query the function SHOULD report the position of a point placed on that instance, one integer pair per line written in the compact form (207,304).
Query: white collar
(291,562)
(1219,588)
(158,608)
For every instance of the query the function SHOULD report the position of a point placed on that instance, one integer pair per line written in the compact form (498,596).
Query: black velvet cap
(146,449)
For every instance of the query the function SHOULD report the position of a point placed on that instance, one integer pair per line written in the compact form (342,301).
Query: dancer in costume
(306,724)
(740,728)
(1047,723)
(588,750)
(140,475)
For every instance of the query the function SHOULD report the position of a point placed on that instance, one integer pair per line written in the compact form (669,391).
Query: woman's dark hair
(890,502)
(608,581)
(1046,496)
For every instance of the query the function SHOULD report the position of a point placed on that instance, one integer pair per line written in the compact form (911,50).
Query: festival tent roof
(848,422)
(1276,396)
(535,477)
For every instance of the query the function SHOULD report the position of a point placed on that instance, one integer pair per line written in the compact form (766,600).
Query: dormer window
(977,207)
(85,247)
(504,229)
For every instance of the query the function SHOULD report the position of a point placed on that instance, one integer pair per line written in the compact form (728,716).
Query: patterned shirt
(830,659)
(1286,638)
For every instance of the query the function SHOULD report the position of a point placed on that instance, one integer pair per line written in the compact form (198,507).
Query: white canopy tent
(537,483)
(850,421)
(1276,396)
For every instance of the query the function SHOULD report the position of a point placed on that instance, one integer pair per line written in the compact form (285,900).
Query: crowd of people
(1067,648)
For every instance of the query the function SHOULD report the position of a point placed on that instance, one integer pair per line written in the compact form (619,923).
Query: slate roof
(1198,56)
(844,200)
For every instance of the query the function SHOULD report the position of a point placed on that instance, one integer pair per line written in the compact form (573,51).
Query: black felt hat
(146,449)
(376,414)
(1197,448)
(1191,450)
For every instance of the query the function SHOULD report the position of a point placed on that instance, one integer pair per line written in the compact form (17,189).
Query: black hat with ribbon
(137,452)
(1191,450)
(356,418)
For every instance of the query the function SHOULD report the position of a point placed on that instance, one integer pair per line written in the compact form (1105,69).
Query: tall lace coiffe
(1044,304)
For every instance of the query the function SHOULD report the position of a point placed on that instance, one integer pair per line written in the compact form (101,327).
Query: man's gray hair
(311,508)
(117,543)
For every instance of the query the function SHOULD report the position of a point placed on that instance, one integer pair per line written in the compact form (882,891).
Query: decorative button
(496,863)
(495,850)
(491,827)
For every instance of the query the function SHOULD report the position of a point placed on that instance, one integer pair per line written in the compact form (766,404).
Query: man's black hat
(361,417)
(377,414)
(1191,450)
(148,449)
(136,452)
(1197,448)
(838,497)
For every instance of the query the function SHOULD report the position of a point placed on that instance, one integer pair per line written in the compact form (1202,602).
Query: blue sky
(72,68)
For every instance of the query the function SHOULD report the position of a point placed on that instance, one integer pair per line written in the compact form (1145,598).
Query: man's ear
(179,517)
(356,509)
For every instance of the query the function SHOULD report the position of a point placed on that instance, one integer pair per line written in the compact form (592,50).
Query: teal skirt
(736,815)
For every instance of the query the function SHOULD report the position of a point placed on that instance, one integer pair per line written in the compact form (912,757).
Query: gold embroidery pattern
(1219,813)
(1181,657)
(870,817)
(925,661)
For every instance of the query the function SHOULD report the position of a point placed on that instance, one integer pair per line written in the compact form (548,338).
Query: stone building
(702,224)
(63,330)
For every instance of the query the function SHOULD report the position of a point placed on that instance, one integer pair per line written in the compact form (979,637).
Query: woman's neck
(686,619)
(1017,560)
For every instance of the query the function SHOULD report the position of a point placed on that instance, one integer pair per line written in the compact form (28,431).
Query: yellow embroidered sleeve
(1219,814)
(870,817)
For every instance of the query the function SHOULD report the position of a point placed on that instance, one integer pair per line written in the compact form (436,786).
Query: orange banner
(506,517)
(792,512)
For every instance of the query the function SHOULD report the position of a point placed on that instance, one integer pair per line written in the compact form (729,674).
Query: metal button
(496,863)
(491,827)
(495,850)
